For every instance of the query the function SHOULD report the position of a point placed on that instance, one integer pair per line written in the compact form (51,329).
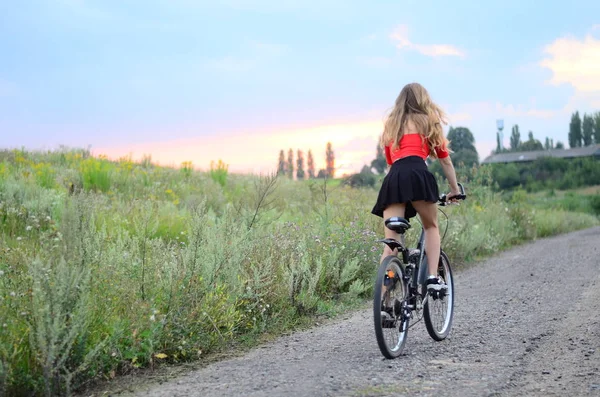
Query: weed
(218,172)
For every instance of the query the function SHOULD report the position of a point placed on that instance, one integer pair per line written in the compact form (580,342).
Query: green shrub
(96,174)
(595,203)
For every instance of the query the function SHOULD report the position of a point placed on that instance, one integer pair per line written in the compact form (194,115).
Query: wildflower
(12,293)
(28,228)
(153,318)
(19,238)
(1,272)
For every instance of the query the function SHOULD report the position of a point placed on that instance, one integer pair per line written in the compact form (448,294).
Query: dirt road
(527,322)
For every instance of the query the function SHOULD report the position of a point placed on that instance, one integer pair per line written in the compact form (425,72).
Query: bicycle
(408,277)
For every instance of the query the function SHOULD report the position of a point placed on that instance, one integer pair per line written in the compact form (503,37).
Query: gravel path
(527,322)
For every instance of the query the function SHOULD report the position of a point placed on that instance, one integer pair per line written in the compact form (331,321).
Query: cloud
(400,36)
(575,62)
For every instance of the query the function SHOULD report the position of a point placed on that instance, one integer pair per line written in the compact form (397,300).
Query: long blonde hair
(415,104)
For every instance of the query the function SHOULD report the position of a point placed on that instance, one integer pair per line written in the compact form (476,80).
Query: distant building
(524,157)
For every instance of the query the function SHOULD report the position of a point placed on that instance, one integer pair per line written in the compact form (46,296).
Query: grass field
(106,267)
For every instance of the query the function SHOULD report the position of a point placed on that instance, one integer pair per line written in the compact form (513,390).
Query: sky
(240,80)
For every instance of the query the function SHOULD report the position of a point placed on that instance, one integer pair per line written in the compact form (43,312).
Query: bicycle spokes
(439,307)
(389,308)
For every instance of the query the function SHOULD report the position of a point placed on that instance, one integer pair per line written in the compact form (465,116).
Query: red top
(412,145)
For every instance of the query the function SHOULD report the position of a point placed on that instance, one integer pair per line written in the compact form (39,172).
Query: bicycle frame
(421,266)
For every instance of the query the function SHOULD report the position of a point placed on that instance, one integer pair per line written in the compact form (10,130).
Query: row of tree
(290,168)
(581,133)
(531,144)
(584,133)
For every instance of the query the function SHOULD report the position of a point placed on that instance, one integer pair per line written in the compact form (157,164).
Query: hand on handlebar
(454,196)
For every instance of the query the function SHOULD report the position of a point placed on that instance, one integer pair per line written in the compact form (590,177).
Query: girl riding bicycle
(412,132)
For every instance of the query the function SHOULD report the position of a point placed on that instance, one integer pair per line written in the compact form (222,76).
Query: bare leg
(392,210)
(428,213)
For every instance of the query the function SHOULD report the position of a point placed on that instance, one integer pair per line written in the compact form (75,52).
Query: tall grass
(110,266)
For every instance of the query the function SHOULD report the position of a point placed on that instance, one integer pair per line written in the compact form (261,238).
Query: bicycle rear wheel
(389,308)
(438,312)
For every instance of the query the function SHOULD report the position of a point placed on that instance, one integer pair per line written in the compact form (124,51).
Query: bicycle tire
(399,322)
(445,270)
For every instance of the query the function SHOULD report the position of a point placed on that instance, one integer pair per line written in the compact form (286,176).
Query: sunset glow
(257,152)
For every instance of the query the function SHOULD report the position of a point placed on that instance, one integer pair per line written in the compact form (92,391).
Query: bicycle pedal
(387,321)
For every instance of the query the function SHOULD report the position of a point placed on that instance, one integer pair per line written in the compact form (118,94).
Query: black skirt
(408,180)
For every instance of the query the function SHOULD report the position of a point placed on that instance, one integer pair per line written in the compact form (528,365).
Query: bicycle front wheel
(389,308)
(438,311)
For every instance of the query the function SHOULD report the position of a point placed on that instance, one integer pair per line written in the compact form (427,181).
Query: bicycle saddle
(397,224)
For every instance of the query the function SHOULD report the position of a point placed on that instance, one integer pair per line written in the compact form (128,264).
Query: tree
(290,164)
(300,166)
(597,127)
(462,144)
(531,144)
(322,174)
(498,143)
(575,131)
(311,165)
(281,167)
(587,130)
(461,138)
(329,160)
(547,145)
(515,139)
(560,145)
(465,157)
(380,163)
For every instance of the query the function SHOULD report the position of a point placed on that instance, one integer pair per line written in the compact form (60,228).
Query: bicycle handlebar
(442,200)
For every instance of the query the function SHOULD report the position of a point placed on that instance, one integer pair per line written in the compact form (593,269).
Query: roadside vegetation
(109,266)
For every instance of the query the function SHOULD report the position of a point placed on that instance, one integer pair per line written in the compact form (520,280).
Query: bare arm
(450,173)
